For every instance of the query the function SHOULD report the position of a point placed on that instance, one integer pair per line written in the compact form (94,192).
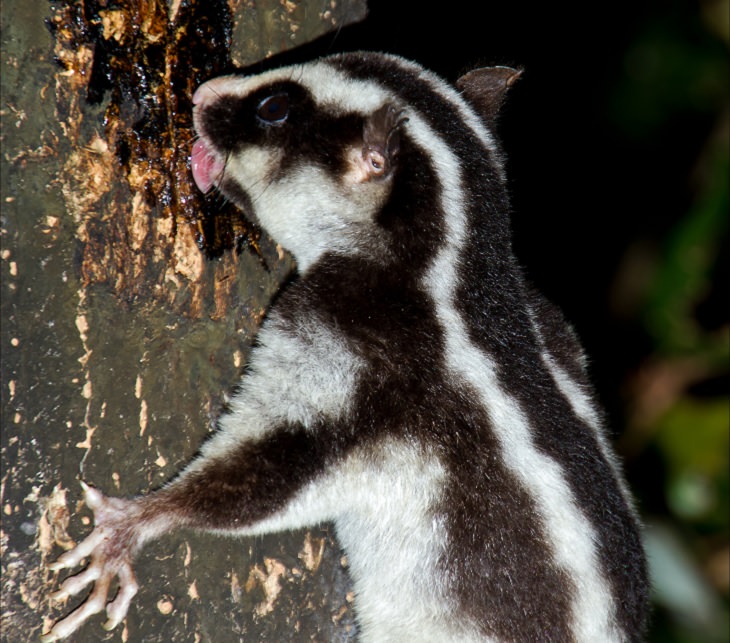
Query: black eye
(274,109)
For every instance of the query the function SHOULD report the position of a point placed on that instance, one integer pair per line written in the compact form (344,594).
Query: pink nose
(211,90)
(200,93)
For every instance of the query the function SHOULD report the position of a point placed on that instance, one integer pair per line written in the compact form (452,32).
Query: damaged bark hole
(140,221)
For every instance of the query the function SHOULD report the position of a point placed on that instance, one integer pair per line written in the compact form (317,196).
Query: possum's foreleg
(220,495)
(244,481)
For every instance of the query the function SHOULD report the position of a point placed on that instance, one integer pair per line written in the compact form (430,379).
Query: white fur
(335,91)
(393,540)
(329,87)
(293,378)
(584,408)
(310,214)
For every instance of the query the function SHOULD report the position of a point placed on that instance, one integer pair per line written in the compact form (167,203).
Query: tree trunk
(129,302)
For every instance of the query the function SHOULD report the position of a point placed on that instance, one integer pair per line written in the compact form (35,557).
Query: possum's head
(315,152)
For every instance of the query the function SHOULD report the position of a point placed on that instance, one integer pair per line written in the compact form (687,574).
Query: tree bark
(129,303)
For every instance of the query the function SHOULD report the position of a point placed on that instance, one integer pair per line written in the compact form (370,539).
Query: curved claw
(93,498)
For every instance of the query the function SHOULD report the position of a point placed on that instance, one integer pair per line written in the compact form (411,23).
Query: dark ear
(485,89)
(381,141)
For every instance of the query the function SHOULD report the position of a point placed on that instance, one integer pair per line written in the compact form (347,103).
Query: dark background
(616,138)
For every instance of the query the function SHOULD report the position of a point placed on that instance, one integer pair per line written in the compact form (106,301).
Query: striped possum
(407,385)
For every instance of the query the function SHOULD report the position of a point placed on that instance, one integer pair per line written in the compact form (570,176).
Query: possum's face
(313,170)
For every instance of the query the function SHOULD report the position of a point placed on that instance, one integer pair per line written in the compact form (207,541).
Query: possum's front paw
(111,546)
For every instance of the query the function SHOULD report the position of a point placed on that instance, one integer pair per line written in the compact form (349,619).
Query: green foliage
(674,81)
(685,272)
(673,67)
(693,438)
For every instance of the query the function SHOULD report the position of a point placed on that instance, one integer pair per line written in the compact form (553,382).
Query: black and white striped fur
(408,384)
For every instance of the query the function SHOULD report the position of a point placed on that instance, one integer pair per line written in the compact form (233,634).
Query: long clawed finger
(77,554)
(74,584)
(93,605)
(117,609)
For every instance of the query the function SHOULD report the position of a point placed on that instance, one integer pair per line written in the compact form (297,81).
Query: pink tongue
(206,167)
